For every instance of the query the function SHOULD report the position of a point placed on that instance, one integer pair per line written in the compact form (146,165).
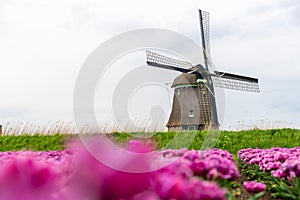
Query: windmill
(194,104)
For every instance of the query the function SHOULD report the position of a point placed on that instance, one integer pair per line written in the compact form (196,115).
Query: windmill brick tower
(190,113)
(194,105)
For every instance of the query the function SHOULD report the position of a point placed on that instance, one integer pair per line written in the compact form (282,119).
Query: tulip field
(252,165)
(277,167)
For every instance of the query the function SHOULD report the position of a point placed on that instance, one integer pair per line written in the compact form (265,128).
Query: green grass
(228,140)
(32,142)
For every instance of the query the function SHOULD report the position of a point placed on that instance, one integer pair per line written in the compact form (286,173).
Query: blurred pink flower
(254,187)
(27,179)
(97,169)
(93,179)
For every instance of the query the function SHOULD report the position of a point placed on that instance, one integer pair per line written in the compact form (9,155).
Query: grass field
(228,140)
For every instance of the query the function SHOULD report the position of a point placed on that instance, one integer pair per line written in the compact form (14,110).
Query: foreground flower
(28,179)
(254,187)
(94,179)
(97,171)
(176,187)
(214,164)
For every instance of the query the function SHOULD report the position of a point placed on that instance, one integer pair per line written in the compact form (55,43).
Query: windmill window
(191,113)
(178,92)
(191,128)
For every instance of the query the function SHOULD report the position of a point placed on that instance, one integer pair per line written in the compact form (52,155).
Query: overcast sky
(43,44)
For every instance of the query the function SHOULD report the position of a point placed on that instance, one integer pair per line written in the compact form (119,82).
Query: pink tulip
(254,187)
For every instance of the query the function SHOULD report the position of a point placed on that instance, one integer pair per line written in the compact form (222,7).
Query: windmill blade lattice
(167,61)
(205,27)
(235,84)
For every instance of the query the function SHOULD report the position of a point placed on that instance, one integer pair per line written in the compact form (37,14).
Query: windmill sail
(235,82)
(204,28)
(157,60)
